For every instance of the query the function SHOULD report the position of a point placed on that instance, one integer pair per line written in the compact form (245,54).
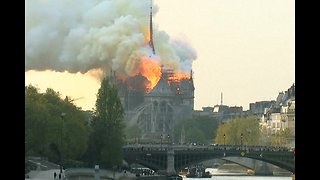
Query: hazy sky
(245,49)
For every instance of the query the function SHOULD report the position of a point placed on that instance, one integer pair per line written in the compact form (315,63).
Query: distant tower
(221,98)
(151,31)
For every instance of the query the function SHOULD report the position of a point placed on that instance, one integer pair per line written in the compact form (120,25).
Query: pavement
(48,175)
(42,175)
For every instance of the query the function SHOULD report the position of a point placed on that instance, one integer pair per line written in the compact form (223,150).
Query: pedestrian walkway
(49,174)
(43,175)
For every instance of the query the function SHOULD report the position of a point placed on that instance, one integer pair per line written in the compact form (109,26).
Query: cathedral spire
(151,31)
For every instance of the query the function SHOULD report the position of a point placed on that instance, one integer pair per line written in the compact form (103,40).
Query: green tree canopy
(195,135)
(107,137)
(47,133)
(280,138)
(134,132)
(230,132)
(197,130)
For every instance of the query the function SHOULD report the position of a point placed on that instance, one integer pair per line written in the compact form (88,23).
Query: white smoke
(81,35)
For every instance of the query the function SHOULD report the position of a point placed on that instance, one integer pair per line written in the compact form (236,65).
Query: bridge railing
(158,147)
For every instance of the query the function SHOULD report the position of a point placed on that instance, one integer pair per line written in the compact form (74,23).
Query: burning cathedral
(153,72)
(157,97)
(158,110)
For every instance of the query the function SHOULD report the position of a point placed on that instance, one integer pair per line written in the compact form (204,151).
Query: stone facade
(281,115)
(156,112)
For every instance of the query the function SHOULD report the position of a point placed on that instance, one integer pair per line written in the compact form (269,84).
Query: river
(237,176)
(242,178)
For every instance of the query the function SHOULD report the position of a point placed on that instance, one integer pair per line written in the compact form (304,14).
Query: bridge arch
(155,158)
(281,159)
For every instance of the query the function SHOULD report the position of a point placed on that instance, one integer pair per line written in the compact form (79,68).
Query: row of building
(157,112)
(274,115)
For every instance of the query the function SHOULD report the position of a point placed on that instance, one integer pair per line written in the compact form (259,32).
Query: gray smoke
(81,35)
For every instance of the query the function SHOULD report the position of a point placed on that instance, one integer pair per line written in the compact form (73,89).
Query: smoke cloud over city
(81,35)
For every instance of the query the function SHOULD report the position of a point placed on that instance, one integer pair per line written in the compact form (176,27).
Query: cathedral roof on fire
(187,84)
(161,89)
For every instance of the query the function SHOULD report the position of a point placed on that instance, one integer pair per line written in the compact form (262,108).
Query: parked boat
(198,171)
(250,172)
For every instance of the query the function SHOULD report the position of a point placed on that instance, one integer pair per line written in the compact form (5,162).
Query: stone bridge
(171,158)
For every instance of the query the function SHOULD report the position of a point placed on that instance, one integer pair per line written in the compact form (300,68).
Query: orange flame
(150,69)
(178,76)
(147,36)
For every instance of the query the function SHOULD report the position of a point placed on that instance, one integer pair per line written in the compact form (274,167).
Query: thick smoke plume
(82,35)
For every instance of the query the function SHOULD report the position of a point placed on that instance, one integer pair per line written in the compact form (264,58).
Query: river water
(242,178)
(234,176)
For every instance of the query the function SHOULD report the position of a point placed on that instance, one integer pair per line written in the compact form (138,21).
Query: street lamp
(62,116)
(168,141)
(161,142)
(224,140)
(249,131)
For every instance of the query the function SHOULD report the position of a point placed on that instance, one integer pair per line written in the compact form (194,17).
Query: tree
(280,138)
(197,129)
(134,132)
(265,138)
(35,122)
(195,135)
(46,133)
(248,127)
(107,137)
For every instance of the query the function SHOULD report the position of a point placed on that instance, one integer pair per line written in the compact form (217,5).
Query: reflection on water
(236,176)
(242,178)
